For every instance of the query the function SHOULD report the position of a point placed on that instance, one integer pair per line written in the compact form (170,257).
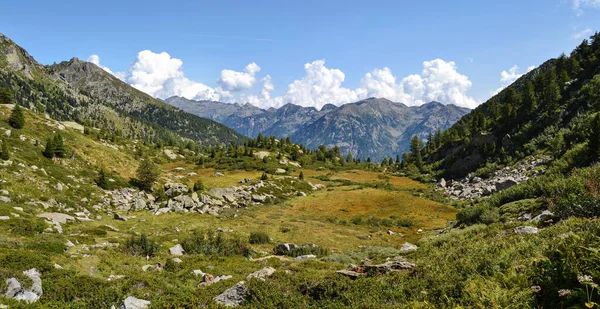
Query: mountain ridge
(386,120)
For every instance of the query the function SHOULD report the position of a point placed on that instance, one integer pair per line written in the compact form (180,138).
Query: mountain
(81,91)
(374,128)
(549,110)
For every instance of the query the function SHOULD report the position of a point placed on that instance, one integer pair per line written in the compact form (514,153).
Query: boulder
(262,274)
(4,218)
(4,199)
(134,303)
(234,296)
(174,189)
(305,257)
(390,266)
(57,217)
(13,287)
(218,174)
(280,171)
(117,216)
(139,204)
(442,183)
(258,198)
(221,278)
(522,230)
(408,247)
(176,250)
(504,183)
(524,217)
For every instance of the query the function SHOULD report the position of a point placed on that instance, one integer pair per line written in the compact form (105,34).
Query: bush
(259,238)
(211,243)
(141,246)
(199,186)
(478,214)
(578,195)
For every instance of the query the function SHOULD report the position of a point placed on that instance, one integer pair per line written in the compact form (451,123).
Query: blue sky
(314,52)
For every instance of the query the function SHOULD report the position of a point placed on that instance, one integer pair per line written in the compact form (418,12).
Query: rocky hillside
(373,128)
(81,91)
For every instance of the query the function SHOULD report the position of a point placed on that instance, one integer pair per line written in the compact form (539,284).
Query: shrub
(264,176)
(198,186)
(211,243)
(478,214)
(404,223)
(578,195)
(259,238)
(4,152)
(80,292)
(141,246)
(101,180)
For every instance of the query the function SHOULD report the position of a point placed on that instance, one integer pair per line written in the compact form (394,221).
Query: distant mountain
(373,127)
(83,92)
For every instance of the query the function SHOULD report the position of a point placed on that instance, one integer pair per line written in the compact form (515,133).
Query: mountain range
(374,127)
(83,92)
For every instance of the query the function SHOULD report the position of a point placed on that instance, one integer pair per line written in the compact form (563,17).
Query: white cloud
(580,35)
(236,81)
(510,76)
(580,5)
(162,76)
(95,59)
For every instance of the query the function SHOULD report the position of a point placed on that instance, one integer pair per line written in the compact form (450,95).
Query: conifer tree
(301,176)
(594,142)
(147,173)
(59,147)
(415,150)
(6,96)
(49,149)
(17,119)
(4,153)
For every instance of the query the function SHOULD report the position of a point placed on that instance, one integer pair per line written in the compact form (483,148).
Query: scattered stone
(134,303)
(218,174)
(59,187)
(221,278)
(284,249)
(246,180)
(117,216)
(408,247)
(170,154)
(13,288)
(258,198)
(545,215)
(280,171)
(177,250)
(198,272)
(521,230)
(4,199)
(234,296)
(390,266)
(57,217)
(524,217)
(112,228)
(442,183)
(174,189)
(262,274)
(350,273)
(177,260)
(69,244)
(114,277)
(56,266)
(3,218)
(305,257)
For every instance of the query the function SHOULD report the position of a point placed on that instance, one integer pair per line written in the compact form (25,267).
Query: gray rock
(5,199)
(177,260)
(522,230)
(218,174)
(283,249)
(36,286)
(258,198)
(117,216)
(234,296)
(262,274)
(57,217)
(139,204)
(524,217)
(350,273)
(389,266)
(4,192)
(173,189)
(176,250)
(221,278)
(134,303)
(442,183)
(4,218)
(545,215)
(408,247)
(13,288)
(503,184)
(280,171)
(305,257)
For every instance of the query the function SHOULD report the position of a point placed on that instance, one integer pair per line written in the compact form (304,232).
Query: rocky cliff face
(369,128)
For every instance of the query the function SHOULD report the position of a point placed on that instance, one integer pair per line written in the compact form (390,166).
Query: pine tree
(4,153)
(101,180)
(17,119)
(397,159)
(59,147)
(301,176)
(49,149)
(6,96)
(594,142)
(264,176)
(529,99)
(147,173)
(415,150)
(349,157)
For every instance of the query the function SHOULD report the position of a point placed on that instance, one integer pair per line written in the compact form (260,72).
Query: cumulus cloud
(236,81)
(95,59)
(580,5)
(162,76)
(508,77)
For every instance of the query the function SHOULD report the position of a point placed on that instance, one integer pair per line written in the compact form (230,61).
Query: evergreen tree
(529,99)
(49,149)
(147,173)
(415,150)
(301,176)
(397,159)
(101,180)
(6,96)
(594,142)
(4,153)
(264,176)
(59,147)
(17,119)
(349,157)
(198,186)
